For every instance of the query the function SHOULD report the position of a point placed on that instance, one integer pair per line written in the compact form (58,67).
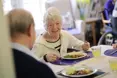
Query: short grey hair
(19,21)
(52,13)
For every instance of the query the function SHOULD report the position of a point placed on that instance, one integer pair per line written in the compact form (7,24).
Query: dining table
(100,62)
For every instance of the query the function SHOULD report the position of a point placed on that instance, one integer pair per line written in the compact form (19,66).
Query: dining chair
(113,32)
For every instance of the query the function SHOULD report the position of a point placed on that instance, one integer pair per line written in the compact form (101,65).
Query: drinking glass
(113,65)
(96,50)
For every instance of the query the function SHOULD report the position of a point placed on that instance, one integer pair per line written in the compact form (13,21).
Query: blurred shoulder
(39,39)
(64,32)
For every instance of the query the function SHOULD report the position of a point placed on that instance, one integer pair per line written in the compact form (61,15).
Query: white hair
(52,14)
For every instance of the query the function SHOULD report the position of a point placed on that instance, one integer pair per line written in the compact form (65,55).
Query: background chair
(113,32)
(103,39)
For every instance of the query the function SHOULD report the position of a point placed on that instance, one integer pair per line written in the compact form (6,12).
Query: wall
(6,62)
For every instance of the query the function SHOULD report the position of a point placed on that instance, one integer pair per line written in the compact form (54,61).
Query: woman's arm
(78,44)
(73,41)
(39,50)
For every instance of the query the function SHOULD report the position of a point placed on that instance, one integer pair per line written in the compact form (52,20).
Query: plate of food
(78,72)
(74,55)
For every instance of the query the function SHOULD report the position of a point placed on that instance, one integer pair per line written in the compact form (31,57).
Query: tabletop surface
(98,63)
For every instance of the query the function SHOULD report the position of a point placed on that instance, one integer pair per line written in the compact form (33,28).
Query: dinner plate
(84,55)
(63,72)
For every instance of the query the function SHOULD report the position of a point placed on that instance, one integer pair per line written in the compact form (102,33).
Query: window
(6,5)
(37,8)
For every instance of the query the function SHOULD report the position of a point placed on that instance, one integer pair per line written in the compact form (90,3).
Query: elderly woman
(54,42)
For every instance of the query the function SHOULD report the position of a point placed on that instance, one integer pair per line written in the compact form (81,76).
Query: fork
(113,52)
(100,76)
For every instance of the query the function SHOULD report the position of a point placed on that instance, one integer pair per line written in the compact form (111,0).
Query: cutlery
(113,52)
(100,76)
(59,75)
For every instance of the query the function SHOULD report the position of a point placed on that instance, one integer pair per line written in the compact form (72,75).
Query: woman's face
(54,27)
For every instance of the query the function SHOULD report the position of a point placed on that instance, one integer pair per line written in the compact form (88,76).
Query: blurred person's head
(114,1)
(53,22)
(21,26)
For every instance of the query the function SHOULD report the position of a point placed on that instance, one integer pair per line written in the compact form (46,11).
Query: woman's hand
(86,46)
(114,46)
(52,57)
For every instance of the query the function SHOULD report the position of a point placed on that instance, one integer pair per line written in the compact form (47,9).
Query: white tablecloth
(99,63)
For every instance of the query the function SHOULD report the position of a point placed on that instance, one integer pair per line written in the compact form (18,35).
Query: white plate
(63,72)
(85,54)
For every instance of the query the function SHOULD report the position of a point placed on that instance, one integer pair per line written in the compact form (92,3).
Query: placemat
(111,52)
(70,62)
